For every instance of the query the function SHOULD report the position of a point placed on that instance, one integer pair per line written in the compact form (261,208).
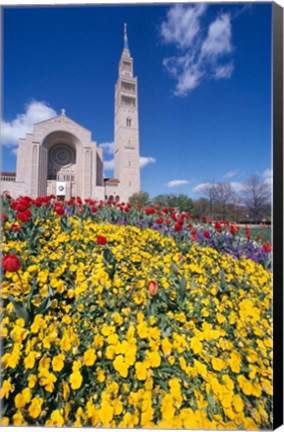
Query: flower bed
(118,326)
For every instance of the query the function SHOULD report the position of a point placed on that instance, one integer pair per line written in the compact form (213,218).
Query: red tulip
(153,287)
(22,217)
(15,228)
(11,263)
(233,230)
(266,247)
(101,240)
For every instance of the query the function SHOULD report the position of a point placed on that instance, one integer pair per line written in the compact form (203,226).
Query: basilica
(60,157)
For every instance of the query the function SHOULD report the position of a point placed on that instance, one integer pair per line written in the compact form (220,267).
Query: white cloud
(238,187)
(218,41)
(203,52)
(108,147)
(201,187)
(109,165)
(22,124)
(182,25)
(144,161)
(231,174)
(224,71)
(268,173)
(175,183)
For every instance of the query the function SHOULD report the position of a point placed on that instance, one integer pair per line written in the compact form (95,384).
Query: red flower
(168,221)
(193,237)
(218,226)
(22,217)
(15,228)
(233,230)
(266,247)
(159,220)
(94,209)
(206,234)
(248,236)
(153,287)
(11,263)
(204,218)
(178,227)
(149,210)
(59,210)
(101,240)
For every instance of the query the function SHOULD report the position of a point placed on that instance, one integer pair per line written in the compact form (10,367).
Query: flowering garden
(115,316)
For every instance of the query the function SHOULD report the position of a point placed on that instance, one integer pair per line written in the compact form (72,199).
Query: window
(130,183)
(128,122)
(128,101)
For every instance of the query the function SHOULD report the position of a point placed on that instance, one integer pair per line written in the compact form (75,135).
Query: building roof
(110,180)
(8,174)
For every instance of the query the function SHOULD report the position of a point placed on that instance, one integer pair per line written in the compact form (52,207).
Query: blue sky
(204,83)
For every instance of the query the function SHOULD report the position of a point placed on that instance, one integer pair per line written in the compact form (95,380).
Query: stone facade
(59,157)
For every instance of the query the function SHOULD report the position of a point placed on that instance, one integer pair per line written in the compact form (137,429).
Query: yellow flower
(218,364)
(142,330)
(32,379)
(76,380)
(200,367)
(167,407)
(18,419)
(120,366)
(56,419)
(238,403)
(35,407)
(58,362)
(154,358)
(66,390)
(141,371)
(235,362)
(105,413)
(7,387)
(196,345)
(4,421)
(90,357)
(166,347)
(101,375)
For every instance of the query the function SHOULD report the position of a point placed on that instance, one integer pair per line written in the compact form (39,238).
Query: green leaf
(182,288)
(46,303)
(20,309)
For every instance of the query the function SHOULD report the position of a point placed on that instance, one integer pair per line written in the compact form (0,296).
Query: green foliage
(180,202)
(141,198)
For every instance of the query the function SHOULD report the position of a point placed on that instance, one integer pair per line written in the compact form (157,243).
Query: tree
(256,197)
(141,198)
(180,202)
(224,195)
(201,207)
(209,192)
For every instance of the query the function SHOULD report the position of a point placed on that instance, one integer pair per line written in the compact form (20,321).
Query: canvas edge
(277,107)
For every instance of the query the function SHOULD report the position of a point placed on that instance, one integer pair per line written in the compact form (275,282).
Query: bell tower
(126,128)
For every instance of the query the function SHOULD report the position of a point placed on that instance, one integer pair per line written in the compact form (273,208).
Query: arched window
(128,122)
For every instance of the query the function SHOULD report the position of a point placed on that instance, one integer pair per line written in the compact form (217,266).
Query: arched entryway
(60,157)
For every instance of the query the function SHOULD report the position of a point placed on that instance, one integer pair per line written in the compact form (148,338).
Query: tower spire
(125,40)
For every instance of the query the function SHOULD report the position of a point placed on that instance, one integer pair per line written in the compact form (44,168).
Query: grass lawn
(266,233)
